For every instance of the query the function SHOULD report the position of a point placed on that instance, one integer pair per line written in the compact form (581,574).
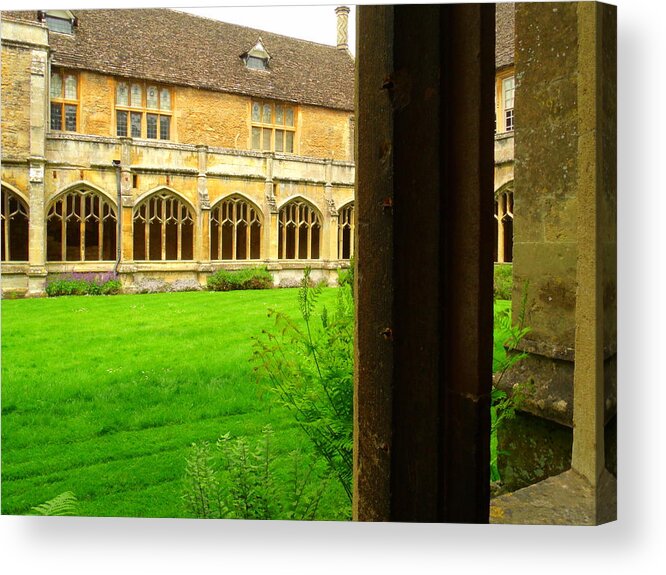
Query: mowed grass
(102,396)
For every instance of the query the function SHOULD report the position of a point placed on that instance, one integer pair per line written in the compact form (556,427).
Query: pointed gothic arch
(163,227)
(503,247)
(299,230)
(15,220)
(81,225)
(346,229)
(235,229)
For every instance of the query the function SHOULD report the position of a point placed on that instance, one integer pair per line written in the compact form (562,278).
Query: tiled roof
(178,48)
(504,34)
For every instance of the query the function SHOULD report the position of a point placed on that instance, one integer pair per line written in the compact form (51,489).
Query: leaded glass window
(272,127)
(64,96)
(131,109)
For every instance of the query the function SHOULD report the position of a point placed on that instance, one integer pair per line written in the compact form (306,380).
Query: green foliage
(239,481)
(310,369)
(503,281)
(506,337)
(249,278)
(63,504)
(84,284)
(346,277)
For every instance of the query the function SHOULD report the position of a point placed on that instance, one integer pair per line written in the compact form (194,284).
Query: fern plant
(61,505)
(506,337)
(310,369)
(236,480)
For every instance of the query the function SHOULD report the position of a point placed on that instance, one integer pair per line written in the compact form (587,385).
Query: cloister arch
(14,220)
(503,247)
(163,226)
(346,229)
(235,229)
(81,225)
(299,230)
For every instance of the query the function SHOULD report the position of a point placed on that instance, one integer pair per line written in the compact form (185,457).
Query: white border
(634,544)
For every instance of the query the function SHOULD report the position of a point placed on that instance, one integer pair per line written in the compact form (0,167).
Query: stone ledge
(565,499)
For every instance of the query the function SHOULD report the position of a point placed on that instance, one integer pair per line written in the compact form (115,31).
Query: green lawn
(102,396)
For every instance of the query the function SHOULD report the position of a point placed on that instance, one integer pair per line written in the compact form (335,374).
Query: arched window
(504,227)
(81,226)
(163,229)
(299,231)
(14,227)
(235,230)
(346,232)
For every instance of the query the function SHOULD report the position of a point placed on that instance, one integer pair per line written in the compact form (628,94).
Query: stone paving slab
(565,499)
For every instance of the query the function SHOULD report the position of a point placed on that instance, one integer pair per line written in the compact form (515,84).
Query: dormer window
(61,21)
(257,58)
(256,63)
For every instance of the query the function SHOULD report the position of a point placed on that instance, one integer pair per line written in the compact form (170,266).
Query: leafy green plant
(309,367)
(506,337)
(503,281)
(63,504)
(250,278)
(237,480)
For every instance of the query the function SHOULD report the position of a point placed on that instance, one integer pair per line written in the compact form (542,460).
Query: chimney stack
(343,23)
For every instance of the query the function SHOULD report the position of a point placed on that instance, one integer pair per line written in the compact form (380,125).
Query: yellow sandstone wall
(96,104)
(214,119)
(324,133)
(15,95)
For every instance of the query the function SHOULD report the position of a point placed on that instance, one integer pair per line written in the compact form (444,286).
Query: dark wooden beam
(424,200)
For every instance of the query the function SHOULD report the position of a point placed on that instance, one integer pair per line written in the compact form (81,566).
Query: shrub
(236,480)
(250,278)
(84,284)
(503,281)
(310,369)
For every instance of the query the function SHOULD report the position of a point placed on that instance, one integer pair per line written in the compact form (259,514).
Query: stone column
(269,248)
(202,253)
(126,208)
(36,165)
(564,226)
(329,240)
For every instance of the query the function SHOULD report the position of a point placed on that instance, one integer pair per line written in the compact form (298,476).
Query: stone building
(505,88)
(129,147)
(233,151)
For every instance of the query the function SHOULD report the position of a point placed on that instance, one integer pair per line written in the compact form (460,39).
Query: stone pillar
(126,208)
(564,227)
(269,248)
(596,273)
(329,240)
(203,216)
(37,229)
(36,165)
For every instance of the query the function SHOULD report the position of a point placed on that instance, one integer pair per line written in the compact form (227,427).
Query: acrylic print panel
(184,385)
